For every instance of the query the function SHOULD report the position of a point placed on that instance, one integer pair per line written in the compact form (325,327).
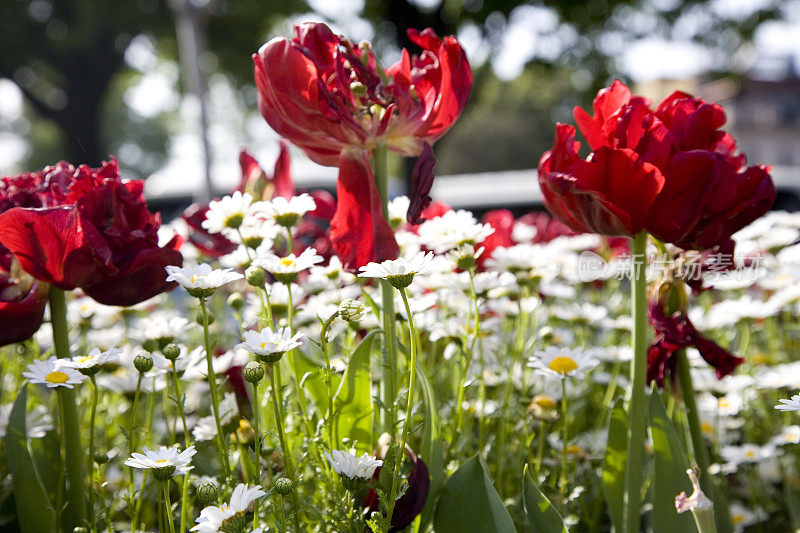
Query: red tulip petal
(359,233)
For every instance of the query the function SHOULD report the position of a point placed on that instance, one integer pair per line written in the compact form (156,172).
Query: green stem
(76,506)
(409,404)
(389,379)
(539,450)
(212,384)
(132,432)
(328,373)
(257,450)
(636,406)
(167,505)
(298,378)
(92,520)
(564,437)
(287,458)
(714,491)
(185,486)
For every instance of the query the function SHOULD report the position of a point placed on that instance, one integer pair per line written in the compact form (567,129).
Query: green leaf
(31,501)
(670,472)
(615,465)
(469,502)
(312,380)
(432,449)
(352,403)
(542,516)
(46,453)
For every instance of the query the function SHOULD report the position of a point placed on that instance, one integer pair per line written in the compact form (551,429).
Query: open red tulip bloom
(22,304)
(88,228)
(332,99)
(670,171)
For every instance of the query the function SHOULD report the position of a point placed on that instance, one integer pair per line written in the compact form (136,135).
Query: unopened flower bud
(256,276)
(284,486)
(100,458)
(151,345)
(171,351)
(143,363)
(351,310)
(79,529)
(253,372)
(207,493)
(199,317)
(236,301)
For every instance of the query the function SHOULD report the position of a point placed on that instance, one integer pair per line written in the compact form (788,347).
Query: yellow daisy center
(192,280)
(723,402)
(750,454)
(56,377)
(574,449)
(563,365)
(737,518)
(544,402)
(160,461)
(287,262)
(706,428)
(85,358)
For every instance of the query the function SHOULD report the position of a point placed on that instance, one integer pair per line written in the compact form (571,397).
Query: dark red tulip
(93,231)
(332,99)
(210,244)
(410,504)
(22,303)
(708,193)
(610,193)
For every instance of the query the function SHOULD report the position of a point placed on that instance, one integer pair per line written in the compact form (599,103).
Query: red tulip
(707,193)
(332,99)
(22,303)
(610,193)
(93,230)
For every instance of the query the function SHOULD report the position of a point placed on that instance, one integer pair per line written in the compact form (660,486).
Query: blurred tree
(65,54)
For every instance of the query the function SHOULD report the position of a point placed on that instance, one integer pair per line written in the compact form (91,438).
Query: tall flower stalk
(637,399)
(76,475)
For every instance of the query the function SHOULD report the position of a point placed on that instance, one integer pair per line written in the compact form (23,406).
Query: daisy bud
(100,458)
(253,372)
(151,345)
(236,301)
(143,363)
(199,317)
(284,486)
(351,310)
(171,351)
(256,276)
(79,529)
(207,493)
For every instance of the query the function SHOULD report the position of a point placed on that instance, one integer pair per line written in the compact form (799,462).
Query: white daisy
(206,427)
(399,272)
(746,453)
(201,280)
(93,360)
(398,210)
(351,466)
(788,435)
(269,345)
(49,372)
(213,518)
(165,462)
(287,268)
(792,404)
(228,212)
(452,229)
(287,212)
(562,362)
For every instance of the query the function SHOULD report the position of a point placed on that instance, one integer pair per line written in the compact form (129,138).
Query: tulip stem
(715,492)
(212,384)
(636,405)
(76,510)
(389,374)
(92,520)
(398,460)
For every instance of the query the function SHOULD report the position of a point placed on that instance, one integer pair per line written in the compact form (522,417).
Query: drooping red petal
(421,183)
(20,318)
(282,176)
(359,233)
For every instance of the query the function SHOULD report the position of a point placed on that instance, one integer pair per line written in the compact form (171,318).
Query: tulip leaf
(432,449)
(352,403)
(34,512)
(542,516)
(469,502)
(313,381)
(615,465)
(670,472)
